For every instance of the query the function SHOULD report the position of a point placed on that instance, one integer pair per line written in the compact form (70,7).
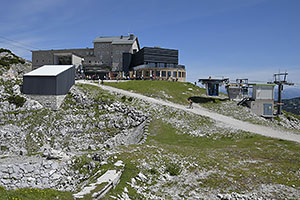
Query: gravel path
(224,120)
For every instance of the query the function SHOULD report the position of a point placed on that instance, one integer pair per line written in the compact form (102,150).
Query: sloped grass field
(34,194)
(242,163)
(176,92)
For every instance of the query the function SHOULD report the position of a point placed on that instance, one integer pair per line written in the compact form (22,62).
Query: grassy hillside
(180,165)
(186,156)
(176,92)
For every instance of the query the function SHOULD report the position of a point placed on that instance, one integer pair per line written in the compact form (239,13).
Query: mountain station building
(116,58)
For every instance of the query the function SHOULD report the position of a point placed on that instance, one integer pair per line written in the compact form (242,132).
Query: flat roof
(116,40)
(49,70)
(262,84)
(218,80)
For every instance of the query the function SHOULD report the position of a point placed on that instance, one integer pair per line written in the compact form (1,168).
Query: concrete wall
(40,58)
(103,52)
(263,92)
(234,93)
(46,57)
(117,55)
(49,101)
(257,106)
(76,60)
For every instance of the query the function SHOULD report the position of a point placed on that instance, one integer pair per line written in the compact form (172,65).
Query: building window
(179,74)
(163,73)
(151,64)
(37,61)
(174,74)
(170,65)
(157,73)
(169,73)
(161,65)
(147,73)
(89,61)
(183,74)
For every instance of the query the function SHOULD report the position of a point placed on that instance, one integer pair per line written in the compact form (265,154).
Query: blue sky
(234,38)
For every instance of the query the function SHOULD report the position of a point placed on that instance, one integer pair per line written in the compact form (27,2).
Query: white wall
(263,92)
(76,60)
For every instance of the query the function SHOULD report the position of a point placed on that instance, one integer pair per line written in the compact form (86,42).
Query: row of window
(159,65)
(43,61)
(95,62)
(89,53)
(103,45)
(165,74)
(119,52)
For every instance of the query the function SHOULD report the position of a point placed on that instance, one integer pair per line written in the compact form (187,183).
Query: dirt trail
(224,120)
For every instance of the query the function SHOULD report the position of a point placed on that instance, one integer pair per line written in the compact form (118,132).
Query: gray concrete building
(105,57)
(262,99)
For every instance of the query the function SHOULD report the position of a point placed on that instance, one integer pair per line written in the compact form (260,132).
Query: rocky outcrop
(12,66)
(41,174)
(81,124)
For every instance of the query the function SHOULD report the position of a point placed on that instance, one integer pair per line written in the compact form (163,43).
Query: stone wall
(41,174)
(49,101)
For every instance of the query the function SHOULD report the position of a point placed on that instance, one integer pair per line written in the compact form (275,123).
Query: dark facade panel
(160,51)
(138,58)
(43,85)
(160,59)
(127,57)
(155,55)
(64,81)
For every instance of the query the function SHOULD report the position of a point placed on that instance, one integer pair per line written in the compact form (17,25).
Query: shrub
(123,98)
(153,171)
(3,148)
(17,100)
(81,164)
(173,169)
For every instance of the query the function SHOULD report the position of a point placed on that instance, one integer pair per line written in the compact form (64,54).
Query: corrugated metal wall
(49,85)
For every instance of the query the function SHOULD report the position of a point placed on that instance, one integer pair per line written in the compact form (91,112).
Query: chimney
(131,36)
